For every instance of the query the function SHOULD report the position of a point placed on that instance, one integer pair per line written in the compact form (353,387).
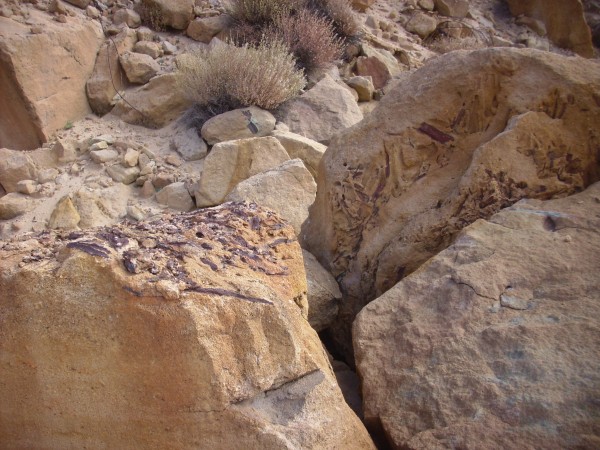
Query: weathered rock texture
(495,342)
(564,21)
(187,332)
(42,78)
(459,139)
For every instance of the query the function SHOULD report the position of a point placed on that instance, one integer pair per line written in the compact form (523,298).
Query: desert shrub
(310,38)
(151,15)
(229,77)
(342,16)
(261,13)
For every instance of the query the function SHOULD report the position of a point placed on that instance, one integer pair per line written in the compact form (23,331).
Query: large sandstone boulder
(461,138)
(564,21)
(495,342)
(108,74)
(288,189)
(322,111)
(230,162)
(187,332)
(43,76)
(153,105)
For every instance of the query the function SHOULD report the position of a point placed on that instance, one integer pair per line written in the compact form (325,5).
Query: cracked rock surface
(188,331)
(494,342)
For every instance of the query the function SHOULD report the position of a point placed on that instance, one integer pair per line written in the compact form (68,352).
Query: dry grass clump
(261,13)
(310,38)
(151,15)
(229,77)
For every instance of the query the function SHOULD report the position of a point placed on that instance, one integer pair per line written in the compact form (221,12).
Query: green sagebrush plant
(229,77)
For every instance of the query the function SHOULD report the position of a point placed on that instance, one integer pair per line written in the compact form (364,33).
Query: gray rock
(363,87)
(176,196)
(189,144)
(13,205)
(421,24)
(322,111)
(309,151)
(231,162)
(289,189)
(27,187)
(64,216)
(205,28)
(452,8)
(152,49)
(238,124)
(47,175)
(102,156)
(323,293)
(128,17)
(14,167)
(139,68)
(125,175)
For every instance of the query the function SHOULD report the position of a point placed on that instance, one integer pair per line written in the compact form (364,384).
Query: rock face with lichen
(186,332)
(468,134)
(494,342)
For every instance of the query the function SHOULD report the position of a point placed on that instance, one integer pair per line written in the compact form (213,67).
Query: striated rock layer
(186,332)
(495,342)
(463,137)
